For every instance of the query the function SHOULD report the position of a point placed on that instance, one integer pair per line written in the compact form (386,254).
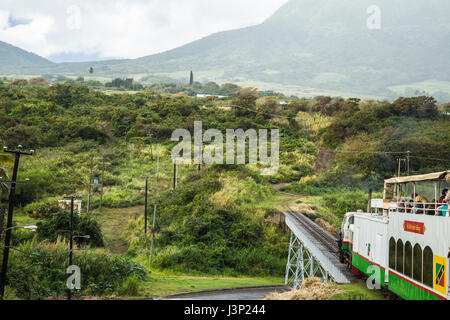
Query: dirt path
(324,159)
(278,186)
(114,222)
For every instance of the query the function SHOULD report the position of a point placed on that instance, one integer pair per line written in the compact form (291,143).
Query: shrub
(131,286)
(341,203)
(38,271)
(42,209)
(38,81)
(122,198)
(58,225)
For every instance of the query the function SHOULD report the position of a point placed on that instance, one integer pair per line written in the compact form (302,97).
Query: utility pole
(17,153)
(101,186)
(150,135)
(91,182)
(408,164)
(400,165)
(174,174)
(131,149)
(90,186)
(126,140)
(157,165)
(145,210)
(153,235)
(72,197)
(306,136)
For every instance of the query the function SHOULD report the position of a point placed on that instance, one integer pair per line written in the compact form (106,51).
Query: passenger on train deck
(420,198)
(410,206)
(420,203)
(443,210)
(444,194)
(447,197)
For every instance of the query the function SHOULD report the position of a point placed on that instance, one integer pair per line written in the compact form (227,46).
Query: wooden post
(157,164)
(151,147)
(174,175)
(101,187)
(90,186)
(153,235)
(145,210)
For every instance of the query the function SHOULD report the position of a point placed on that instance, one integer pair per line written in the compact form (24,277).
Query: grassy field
(161,283)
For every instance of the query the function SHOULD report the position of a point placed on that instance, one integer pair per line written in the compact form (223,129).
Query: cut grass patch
(163,284)
(114,222)
(357,291)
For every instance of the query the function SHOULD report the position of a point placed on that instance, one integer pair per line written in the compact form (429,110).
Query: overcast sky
(79,30)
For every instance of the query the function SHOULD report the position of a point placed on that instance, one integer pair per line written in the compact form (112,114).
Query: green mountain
(15,60)
(313,43)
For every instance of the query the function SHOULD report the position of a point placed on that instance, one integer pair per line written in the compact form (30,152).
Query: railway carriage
(406,246)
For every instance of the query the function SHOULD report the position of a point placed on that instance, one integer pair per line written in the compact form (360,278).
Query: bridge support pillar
(301,264)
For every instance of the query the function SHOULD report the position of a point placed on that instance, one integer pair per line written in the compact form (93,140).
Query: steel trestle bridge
(313,252)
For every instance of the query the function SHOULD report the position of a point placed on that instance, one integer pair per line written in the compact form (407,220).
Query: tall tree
(191,80)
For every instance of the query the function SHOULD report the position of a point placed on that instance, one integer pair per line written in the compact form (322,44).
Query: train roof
(443,175)
(372,216)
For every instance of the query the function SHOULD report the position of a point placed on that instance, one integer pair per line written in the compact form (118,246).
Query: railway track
(316,232)
(321,244)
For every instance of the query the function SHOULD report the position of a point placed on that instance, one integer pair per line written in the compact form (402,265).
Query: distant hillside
(14,59)
(315,43)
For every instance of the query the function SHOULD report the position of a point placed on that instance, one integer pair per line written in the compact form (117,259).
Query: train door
(448,276)
(379,250)
(356,240)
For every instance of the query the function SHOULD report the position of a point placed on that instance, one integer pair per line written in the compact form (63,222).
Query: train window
(428,267)
(399,264)
(351,220)
(417,263)
(408,259)
(392,253)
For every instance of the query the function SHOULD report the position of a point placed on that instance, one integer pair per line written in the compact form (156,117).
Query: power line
(64,253)
(434,159)
(389,152)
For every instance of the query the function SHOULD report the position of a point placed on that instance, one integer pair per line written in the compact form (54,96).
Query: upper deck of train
(421,194)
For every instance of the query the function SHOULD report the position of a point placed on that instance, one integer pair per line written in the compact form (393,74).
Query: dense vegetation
(220,220)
